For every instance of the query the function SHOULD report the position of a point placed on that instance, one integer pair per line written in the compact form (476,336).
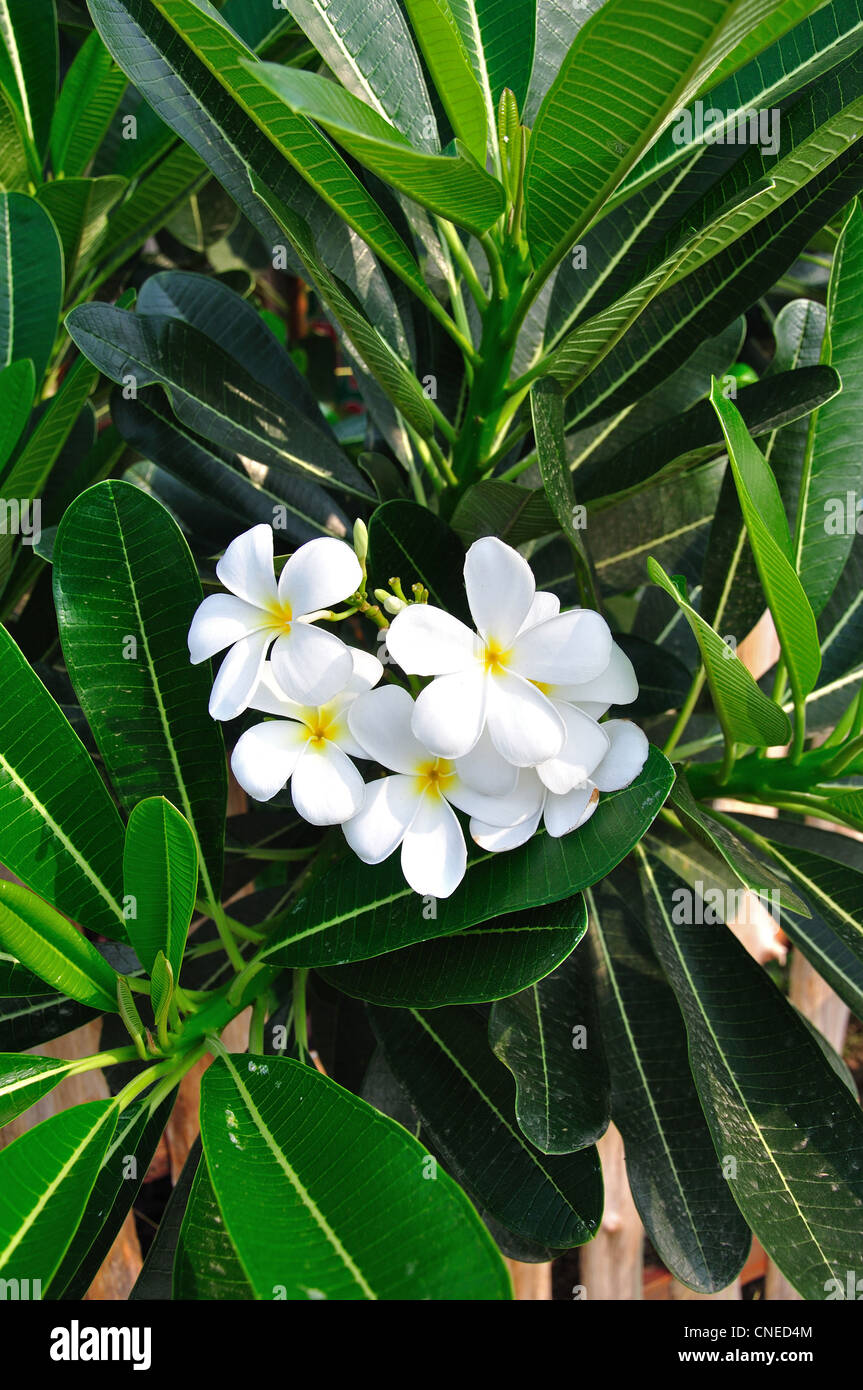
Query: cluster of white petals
(507,730)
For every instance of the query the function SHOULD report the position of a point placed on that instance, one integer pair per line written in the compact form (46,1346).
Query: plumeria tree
(594,272)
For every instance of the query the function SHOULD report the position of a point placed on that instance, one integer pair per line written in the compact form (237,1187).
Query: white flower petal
(380,721)
(586,745)
(426,641)
(434,856)
(326,788)
(545,605)
(624,759)
(366,673)
(574,647)
(525,727)
(522,803)
(266,755)
(246,568)
(238,676)
(500,589)
(269,697)
(448,715)
(591,707)
(322,572)
(389,807)
(497,838)
(565,813)
(310,665)
(485,770)
(616,685)
(220,621)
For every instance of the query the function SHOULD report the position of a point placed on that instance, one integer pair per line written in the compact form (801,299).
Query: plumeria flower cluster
(507,728)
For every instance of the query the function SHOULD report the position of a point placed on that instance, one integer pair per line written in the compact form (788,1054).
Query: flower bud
(361,540)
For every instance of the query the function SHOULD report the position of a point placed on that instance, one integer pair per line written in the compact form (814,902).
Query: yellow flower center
(495,657)
(542,687)
(320,724)
(281,614)
(433,776)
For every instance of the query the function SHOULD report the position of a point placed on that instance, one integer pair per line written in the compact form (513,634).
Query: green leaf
(139,1129)
(371,51)
(464,1098)
(546,410)
(455,186)
(818,43)
(746,714)
(751,871)
(28,64)
(17,389)
(14,149)
(388,369)
(156,1277)
(487,962)
(31,1019)
(513,513)
(359,912)
(676,1182)
(31,282)
(548,1036)
(499,40)
(340,1207)
(122,572)
(24,1080)
(557,23)
(160,873)
(54,950)
(767,529)
(161,192)
(206,1265)
(830,468)
(439,36)
(210,392)
(409,543)
(573,165)
(59,830)
(80,209)
(46,1177)
(90,95)
(162,988)
(794,1131)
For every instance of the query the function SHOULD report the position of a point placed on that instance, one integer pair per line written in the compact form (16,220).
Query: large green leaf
(90,95)
(126,588)
(24,1079)
(46,1176)
(455,186)
(17,389)
(31,281)
(211,392)
(747,715)
(206,1265)
(160,873)
(573,165)
(767,528)
(359,912)
(491,961)
(371,52)
(30,1019)
(156,1278)
(339,1207)
(441,40)
(795,1133)
(499,40)
(28,64)
(513,513)
(831,468)
(409,543)
(161,192)
(43,941)
(464,1097)
(549,1038)
(118,1182)
(80,209)
(678,1185)
(14,148)
(59,830)
(821,41)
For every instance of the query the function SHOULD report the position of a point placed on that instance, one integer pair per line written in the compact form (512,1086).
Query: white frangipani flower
(310,746)
(494,677)
(310,664)
(562,813)
(413,808)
